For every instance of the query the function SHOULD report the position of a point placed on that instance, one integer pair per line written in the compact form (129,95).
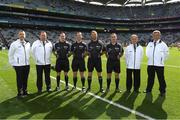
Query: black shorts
(62,65)
(94,63)
(113,65)
(78,65)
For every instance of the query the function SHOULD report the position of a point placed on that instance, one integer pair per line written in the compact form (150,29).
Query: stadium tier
(11,34)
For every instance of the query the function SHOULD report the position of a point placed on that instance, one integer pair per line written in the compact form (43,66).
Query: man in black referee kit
(62,52)
(78,49)
(95,50)
(113,52)
(19,54)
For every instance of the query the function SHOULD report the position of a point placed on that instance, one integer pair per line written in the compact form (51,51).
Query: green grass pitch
(77,105)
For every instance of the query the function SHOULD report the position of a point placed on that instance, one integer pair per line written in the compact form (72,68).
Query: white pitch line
(113,103)
(172,66)
(144,63)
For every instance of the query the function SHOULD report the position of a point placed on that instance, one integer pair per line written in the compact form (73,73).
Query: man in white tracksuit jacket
(157,52)
(133,56)
(19,53)
(42,50)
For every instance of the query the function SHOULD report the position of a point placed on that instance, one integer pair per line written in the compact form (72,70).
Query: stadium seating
(76,8)
(11,34)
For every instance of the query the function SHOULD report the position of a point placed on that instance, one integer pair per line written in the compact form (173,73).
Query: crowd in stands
(83,9)
(10,34)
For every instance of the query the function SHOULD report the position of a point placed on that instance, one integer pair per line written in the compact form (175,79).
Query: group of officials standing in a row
(156,52)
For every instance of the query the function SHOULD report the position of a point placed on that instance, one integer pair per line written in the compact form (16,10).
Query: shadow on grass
(153,109)
(73,109)
(67,105)
(33,104)
(126,100)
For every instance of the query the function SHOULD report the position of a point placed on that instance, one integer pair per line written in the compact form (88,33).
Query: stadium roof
(117,3)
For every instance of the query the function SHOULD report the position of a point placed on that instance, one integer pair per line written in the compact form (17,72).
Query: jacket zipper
(25,54)
(44,54)
(153,53)
(18,60)
(134,57)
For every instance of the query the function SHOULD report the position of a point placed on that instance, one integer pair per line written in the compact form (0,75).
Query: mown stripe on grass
(113,103)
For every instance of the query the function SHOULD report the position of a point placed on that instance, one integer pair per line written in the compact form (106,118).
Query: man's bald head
(134,39)
(94,35)
(113,38)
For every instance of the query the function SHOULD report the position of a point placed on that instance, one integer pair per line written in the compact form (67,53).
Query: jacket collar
(95,41)
(22,41)
(46,41)
(136,44)
(158,41)
(63,41)
(78,42)
(113,44)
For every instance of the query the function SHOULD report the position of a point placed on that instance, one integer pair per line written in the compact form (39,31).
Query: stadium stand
(81,9)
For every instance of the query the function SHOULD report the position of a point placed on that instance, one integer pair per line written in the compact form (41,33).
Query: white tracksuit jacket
(42,52)
(157,54)
(133,56)
(19,53)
